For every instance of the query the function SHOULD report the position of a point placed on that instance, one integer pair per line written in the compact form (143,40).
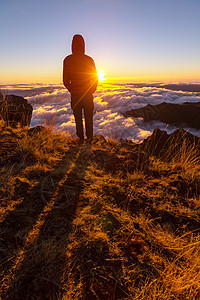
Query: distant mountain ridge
(174,87)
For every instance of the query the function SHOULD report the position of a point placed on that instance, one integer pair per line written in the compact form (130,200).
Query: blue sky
(142,39)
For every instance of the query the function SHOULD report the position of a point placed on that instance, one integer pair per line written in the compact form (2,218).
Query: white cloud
(52,104)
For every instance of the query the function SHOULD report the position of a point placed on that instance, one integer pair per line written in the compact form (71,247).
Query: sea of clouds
(51,105)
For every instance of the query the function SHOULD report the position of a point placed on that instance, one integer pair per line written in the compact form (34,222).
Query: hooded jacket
(79,71)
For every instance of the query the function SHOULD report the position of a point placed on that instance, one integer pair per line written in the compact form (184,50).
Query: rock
(186,113)
(15,110)
(165,145)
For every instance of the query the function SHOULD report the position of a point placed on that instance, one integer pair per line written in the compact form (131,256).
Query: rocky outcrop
(176,114)
(166,145)
(15,110)
(1,96)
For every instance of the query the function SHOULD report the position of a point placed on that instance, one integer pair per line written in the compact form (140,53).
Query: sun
(101,75)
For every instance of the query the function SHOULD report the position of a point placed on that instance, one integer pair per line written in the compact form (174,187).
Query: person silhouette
(80,78)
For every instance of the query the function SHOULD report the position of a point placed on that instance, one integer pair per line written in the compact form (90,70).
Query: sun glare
(101,76)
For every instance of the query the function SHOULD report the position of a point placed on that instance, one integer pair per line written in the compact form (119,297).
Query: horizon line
(108,80)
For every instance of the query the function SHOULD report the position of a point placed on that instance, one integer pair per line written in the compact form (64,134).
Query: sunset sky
(140,39)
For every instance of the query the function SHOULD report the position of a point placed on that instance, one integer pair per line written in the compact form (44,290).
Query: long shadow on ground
(38,268)
(15,225)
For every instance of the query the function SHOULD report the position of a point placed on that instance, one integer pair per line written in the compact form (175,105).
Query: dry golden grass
(99,221)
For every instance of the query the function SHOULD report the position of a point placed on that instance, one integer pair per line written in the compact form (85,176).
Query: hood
(78,44)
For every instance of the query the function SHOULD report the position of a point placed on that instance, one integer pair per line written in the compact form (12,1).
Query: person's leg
(88,106)
(77,110)
(79,123)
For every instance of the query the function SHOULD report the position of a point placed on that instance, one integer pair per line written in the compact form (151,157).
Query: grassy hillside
(97,221)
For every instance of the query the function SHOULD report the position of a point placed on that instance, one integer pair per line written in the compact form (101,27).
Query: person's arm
(66,76)
(94,76)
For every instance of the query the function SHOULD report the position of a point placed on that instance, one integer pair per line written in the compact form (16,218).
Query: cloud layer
(51,105)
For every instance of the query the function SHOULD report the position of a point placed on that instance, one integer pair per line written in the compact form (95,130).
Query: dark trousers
(81,102)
